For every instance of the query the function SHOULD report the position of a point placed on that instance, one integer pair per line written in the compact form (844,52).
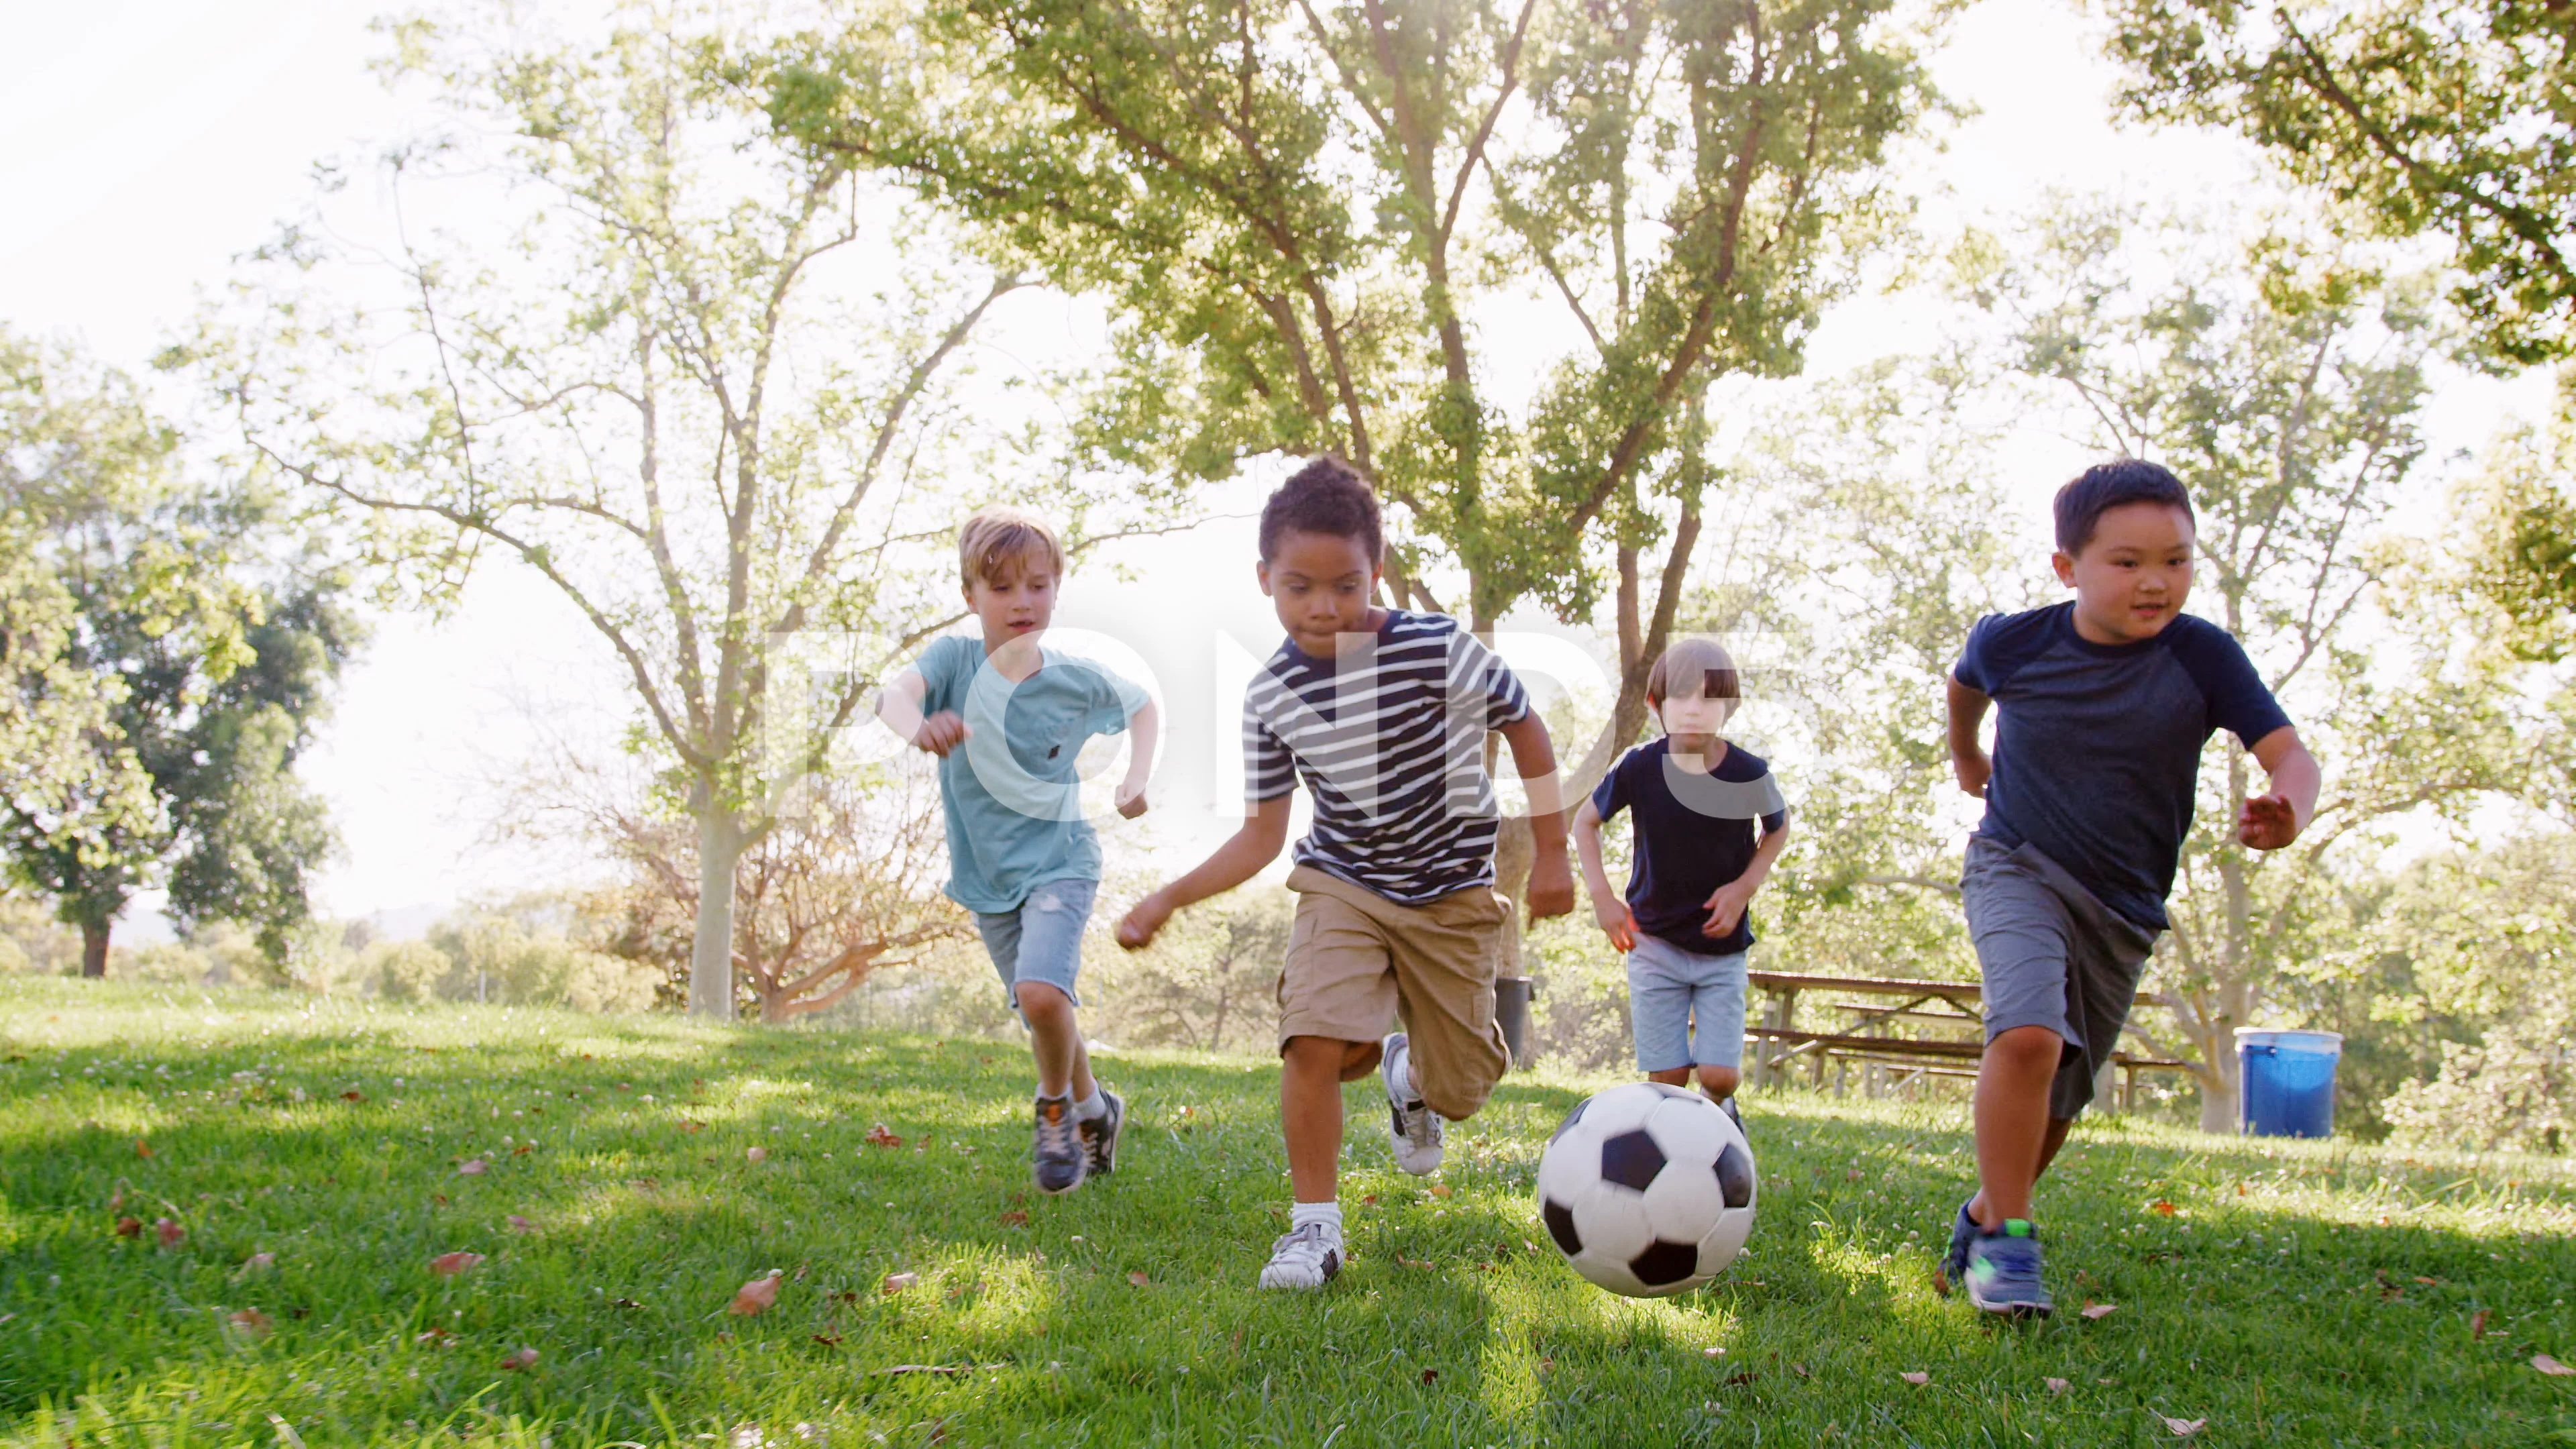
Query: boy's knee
(1041,1002)
(1673,1077)
(1719,1082)
(2027,1046)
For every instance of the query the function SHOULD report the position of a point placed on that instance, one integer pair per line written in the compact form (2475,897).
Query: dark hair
(1694,660)
(2105,486)
(1325,496)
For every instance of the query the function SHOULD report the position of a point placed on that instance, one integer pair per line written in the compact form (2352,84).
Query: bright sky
(152,140)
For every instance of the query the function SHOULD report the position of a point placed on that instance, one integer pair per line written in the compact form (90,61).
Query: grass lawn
(308,1155)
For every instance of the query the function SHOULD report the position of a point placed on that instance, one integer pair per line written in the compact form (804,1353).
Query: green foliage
(2302,1293)
(2457,119)
(1206,984)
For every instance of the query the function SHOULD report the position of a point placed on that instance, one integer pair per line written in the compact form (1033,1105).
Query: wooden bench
(1778,1046)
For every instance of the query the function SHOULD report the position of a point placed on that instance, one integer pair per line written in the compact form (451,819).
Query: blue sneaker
(1953,1271)
(2003,1271)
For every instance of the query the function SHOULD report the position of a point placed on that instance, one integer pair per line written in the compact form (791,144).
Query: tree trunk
(94,948)
(711,952)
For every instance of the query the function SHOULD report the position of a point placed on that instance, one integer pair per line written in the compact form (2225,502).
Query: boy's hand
(1974,768)
(1726,907)
(1136,929)
(1131,798)
(2267,822)
(941,733)
(1551,885)
(1616,921)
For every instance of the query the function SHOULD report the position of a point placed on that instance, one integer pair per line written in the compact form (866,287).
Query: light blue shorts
(1042,940)
(1686,1009)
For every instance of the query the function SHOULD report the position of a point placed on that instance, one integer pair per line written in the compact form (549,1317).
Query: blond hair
(1695,661)
(996,537)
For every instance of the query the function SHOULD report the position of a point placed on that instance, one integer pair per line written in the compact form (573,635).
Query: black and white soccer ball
(1647,1189)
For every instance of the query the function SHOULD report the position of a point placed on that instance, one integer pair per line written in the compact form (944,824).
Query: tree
(1205,984)
(190,668)
(700,384)
(2454,119)
(2283,385)
(1343,227)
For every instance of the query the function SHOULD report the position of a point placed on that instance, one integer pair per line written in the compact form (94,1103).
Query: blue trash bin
(2286,1081)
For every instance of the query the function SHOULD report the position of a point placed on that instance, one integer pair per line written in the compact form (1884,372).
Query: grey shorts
(2052,955)
(1685,1009)
(1042,940)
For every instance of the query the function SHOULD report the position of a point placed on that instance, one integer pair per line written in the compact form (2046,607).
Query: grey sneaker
(1727,1105)
(1058,1161)
(1953,1272)
(1414,1127)
(2003,1271)
(1100,1135)
(1302,1259)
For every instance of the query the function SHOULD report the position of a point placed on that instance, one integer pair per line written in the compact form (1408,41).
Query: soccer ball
(1647,1189)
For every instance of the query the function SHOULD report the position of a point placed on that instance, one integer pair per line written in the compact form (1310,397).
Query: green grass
(2307,1293)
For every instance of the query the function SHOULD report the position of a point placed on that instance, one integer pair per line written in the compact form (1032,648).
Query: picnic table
(1864,1036)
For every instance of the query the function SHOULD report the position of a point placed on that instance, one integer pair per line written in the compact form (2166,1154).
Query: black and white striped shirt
(1391,744)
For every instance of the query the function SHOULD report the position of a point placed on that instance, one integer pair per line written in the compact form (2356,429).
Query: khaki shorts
(1357,961)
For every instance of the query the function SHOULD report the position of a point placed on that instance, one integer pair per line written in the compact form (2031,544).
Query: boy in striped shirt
(1383,714)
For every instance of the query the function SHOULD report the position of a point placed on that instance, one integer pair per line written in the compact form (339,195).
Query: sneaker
(1302,1259)
(1953,1271)
(1058,1159)
(2003,1271)
(1100,1135)
(1414,1127)
(1727,1105)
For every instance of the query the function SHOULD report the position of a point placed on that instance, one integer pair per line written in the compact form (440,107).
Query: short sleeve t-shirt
(1390,741)
(2097,746)
(1694,833)
(1010,793)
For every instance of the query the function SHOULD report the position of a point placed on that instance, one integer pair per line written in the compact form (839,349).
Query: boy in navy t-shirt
(2103,706)
(1685,923)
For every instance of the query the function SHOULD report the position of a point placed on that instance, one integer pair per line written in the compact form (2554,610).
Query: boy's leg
(1717,1026)
(1335,994)
(1047,964)
(1446,954)
(1055,1039)
(1311,1072)
(1659,1013)
(2014,1133)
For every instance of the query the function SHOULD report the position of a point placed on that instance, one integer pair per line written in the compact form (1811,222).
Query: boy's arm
(1726,906)
(2269,822)
(899,705)
(1253,845)
(1551,881)
(1142,729)
(1967,757)
(1609,912)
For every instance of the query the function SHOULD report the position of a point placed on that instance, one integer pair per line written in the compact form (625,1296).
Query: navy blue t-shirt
(1694,833)
(2097,746)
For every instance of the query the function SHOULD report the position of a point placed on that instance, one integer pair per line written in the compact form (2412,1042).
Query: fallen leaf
(525,1358)
(2427,1282)
(1738,1378)
(878,1136)
(688,1126)
(1430,1376)
(897,1282)
(250,1321)
(2550,1366)
(1139,1279)
(519,1224)
(757,1154)
(353,1096)
(2478,1325)
(1405,1262)
(756,1296)
(2055,1386)
(473,1167)
(624,1303)
(1799,1369)
(448,1265)
(1441,1189)
(2183,1428)
(827,1339)
(129,1227)
(1015,1219)
(1916,1379)
(2100,1310)
(434,1337)
(168,1232)
(142,1148)
(2164,1207)
(1369,1201)
(522,1150)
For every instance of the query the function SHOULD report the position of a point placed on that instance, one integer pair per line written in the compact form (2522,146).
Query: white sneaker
(1302,1259)
(1413,1127)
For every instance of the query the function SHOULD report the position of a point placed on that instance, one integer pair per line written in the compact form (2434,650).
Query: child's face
(1320,583)
(2131,578)
(1695,714)
(1018,602)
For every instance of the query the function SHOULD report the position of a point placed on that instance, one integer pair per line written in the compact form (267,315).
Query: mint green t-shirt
(1011,797)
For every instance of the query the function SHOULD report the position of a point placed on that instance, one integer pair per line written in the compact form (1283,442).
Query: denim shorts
(1685,1009)
(1042,940)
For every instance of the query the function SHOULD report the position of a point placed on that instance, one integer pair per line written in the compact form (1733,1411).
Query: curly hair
(1325,496)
